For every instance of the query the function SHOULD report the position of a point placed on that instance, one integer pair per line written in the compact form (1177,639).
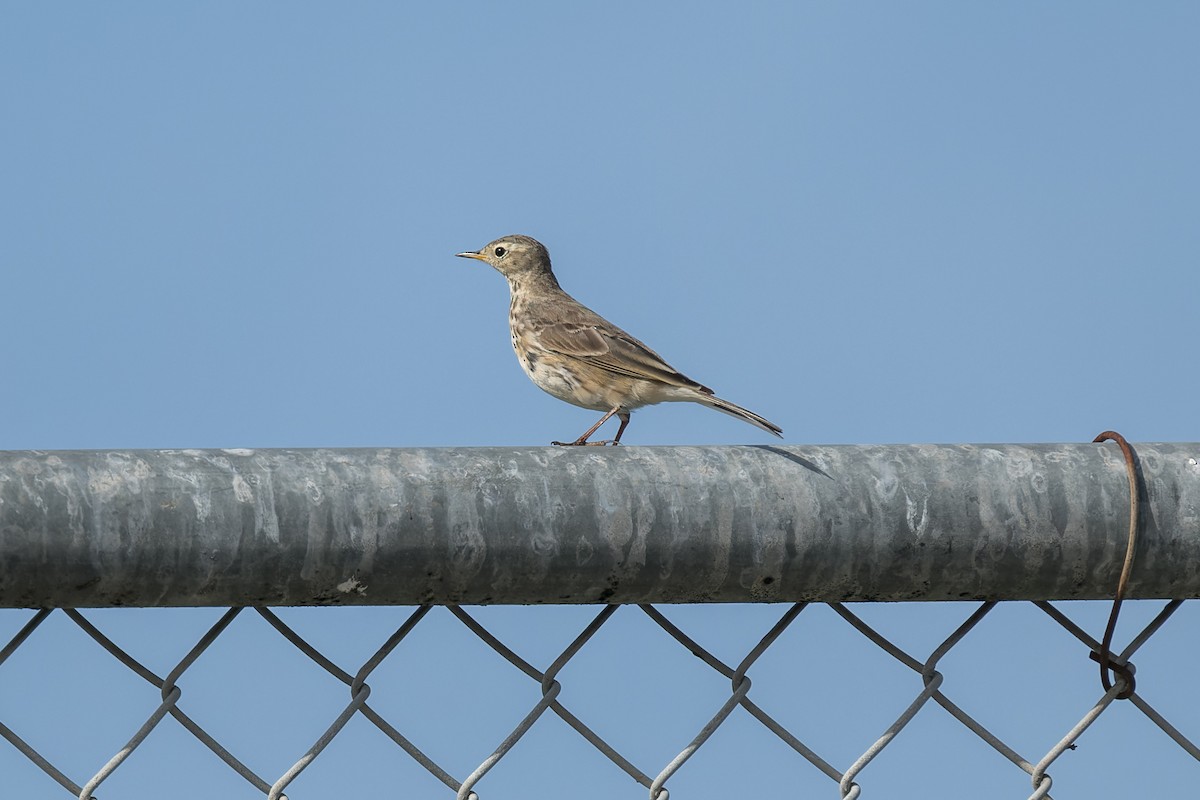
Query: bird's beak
(476,256)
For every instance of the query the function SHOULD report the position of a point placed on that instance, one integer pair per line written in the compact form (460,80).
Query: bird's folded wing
(615,352)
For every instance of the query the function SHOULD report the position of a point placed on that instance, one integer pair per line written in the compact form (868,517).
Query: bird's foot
(584,443)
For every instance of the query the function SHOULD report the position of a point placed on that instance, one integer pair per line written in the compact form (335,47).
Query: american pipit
(573,353)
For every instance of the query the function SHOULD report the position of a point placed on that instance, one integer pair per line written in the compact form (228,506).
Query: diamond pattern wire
(852,782)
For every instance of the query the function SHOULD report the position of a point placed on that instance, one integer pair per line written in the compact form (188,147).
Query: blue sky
(232,225)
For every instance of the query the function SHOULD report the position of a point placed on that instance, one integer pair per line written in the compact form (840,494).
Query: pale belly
(549,375)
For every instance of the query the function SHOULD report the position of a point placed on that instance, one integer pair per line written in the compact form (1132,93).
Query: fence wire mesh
(390,701)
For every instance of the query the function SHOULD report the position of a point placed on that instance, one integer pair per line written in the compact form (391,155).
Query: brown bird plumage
(573,353)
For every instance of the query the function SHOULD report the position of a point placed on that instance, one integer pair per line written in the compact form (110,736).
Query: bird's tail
(712,401)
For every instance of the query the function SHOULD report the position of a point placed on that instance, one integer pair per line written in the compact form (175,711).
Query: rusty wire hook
(1104,656)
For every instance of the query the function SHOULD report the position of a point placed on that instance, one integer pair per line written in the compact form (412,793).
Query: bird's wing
(613,350)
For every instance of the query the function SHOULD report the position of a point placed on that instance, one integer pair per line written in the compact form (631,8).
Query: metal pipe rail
(592,525)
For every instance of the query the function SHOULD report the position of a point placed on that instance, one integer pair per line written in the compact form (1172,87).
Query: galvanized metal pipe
(592,525)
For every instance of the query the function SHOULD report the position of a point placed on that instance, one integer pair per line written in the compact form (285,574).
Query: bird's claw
(582,443)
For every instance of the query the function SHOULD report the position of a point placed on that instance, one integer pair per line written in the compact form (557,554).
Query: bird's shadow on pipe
(795,459)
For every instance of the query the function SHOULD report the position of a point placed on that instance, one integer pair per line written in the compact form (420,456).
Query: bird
(574,354)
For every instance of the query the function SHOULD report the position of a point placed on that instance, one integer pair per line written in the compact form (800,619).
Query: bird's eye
(500,251)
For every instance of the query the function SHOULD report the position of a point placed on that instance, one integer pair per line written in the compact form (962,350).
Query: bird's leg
(583,440)
(624,417)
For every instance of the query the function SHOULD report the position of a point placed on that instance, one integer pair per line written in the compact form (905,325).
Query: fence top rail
(592,525)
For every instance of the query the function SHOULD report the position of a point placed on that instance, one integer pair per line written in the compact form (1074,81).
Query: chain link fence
(441,681)
(397,701)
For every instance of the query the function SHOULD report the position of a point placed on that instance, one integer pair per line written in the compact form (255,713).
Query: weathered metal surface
(588,525)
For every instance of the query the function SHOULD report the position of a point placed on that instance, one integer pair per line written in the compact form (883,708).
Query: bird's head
(514,256)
